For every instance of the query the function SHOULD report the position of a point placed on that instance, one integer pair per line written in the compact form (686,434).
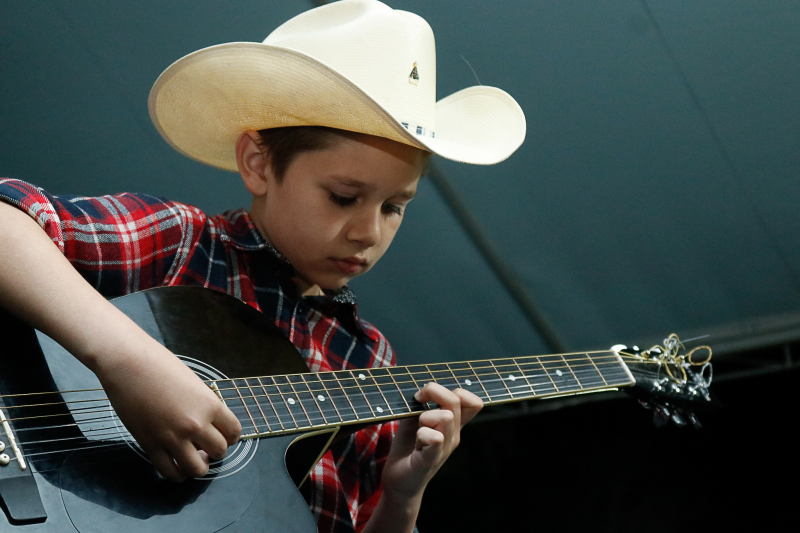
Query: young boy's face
(336,210)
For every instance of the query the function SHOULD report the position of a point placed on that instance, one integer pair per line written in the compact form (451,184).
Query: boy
(329,123)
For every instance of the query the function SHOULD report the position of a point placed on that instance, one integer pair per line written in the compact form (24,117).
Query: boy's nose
(366,229)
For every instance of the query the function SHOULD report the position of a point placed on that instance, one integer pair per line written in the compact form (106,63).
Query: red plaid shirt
(130,242)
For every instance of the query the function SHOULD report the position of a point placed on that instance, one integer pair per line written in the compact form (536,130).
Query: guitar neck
(272,405)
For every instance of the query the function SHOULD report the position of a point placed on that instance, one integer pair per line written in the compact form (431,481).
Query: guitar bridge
(4,458)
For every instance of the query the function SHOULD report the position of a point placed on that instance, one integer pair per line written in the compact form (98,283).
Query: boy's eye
(391,209)
(342,200)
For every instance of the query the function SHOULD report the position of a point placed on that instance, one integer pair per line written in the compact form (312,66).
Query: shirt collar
(237,229)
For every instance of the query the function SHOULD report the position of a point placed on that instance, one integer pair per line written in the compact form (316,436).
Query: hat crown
(389,54)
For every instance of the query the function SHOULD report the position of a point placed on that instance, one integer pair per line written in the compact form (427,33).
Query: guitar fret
(257,402)
(307,401)
(571,371)
(507,394)
(390,391)
(224,388)
(304,401)
(231,398)
(339,398)
(466,379)
(325,403)
(247,402)
(537,377)
(523,390)
(586,371)
(370,373)
(375,400)
(270,392)
(443,375)
(611,369)
(287,395)
(424,376)
(561,376)
(512,378)
(490,380)
(355,395)
(406,386)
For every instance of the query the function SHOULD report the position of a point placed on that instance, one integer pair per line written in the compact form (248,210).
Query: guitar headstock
(671,380)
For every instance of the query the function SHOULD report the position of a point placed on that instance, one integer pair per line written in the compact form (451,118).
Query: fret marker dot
(321,398)
(559,372)
(379,409)
(512,377)
(362,376)
(467,382)
(291,401)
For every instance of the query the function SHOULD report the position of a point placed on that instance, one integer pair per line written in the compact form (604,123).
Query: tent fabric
(656,191)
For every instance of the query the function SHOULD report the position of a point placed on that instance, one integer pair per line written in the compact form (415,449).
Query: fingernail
(416,395)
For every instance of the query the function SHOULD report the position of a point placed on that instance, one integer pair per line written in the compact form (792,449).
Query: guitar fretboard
(274,405)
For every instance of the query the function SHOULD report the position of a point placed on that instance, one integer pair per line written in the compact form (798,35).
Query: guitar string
(308,385)
(323,418)
(514,364)
(94,445)
(280,416)
(392,372)
(316,422)
(536,359)
(359,413)
(309,390)
(496,395)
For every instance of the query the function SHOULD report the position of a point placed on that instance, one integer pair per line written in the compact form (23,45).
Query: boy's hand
(165,406)
(423,444)
(178,420)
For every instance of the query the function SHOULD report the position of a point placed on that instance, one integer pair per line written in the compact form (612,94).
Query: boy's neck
(308,290)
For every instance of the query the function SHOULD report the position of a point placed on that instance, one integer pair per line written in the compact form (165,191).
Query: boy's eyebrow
(350,182)
(408,195)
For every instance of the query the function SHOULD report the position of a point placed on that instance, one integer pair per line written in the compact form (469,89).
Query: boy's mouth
(349,265)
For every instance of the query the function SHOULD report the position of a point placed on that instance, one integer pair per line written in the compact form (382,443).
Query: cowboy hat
(355,65)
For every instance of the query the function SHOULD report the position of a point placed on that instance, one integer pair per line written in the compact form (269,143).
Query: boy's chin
(335,285)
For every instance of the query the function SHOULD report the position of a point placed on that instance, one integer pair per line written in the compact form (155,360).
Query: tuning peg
(693,419)
(678,419)
(661,416)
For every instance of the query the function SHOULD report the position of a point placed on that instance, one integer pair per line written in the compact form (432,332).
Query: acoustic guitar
(68,464)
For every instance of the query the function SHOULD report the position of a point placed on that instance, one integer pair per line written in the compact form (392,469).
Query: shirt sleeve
(119,243)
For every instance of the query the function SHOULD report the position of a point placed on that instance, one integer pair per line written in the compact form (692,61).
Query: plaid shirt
(130,242)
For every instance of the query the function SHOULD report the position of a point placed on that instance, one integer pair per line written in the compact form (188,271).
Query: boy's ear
(253,164)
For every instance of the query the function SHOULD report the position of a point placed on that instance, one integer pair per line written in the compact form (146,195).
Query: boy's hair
(284,144)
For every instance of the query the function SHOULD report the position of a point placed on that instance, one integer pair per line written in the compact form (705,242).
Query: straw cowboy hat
(355,65)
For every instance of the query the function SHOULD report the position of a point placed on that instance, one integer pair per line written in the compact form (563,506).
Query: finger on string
(212,443)
(228,425)
(433,392)
(205,457)
(189,460)
(470,405)
(166,466)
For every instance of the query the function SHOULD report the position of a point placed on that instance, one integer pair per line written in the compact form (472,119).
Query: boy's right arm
(164,405)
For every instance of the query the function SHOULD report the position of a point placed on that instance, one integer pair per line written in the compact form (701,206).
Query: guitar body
(84,472)
(105,484)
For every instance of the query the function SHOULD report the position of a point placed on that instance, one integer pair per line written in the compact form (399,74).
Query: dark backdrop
(657,191)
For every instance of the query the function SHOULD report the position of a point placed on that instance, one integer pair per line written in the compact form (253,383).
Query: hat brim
(205,100)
